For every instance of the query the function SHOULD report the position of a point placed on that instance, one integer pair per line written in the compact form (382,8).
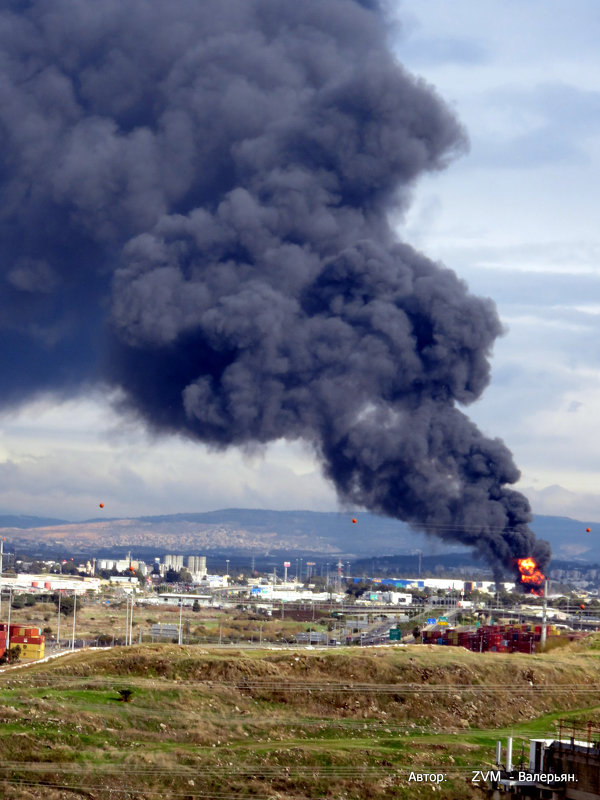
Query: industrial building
(446,584)
(563,767)
(24,582)
(196,565)
(173,562)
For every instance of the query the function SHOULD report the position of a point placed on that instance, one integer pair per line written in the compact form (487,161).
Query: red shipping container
(27,639)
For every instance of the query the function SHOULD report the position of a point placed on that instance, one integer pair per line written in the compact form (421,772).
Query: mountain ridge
(330,533)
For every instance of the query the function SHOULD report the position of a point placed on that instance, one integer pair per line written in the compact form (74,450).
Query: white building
(49,583)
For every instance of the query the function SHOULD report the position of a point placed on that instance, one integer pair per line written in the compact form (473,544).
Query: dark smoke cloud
(194,201)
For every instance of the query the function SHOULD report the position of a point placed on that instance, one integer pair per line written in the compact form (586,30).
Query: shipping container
(27,639)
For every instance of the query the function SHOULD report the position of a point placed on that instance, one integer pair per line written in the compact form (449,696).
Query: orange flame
(531,576)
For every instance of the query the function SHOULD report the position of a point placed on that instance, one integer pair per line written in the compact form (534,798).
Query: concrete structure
(196,565)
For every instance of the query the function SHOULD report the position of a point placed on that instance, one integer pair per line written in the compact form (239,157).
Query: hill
(258,531)
(351,723)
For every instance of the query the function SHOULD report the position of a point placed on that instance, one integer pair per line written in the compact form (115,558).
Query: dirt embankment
(426,687)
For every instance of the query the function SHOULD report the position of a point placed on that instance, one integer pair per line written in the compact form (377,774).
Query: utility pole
(126,620)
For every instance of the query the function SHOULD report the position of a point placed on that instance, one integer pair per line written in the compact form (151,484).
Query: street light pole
(180,615)
(74,615)
(8,627)
(131,620)
(543,636)
(58,621)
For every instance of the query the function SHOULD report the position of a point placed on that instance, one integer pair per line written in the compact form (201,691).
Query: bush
(12,655)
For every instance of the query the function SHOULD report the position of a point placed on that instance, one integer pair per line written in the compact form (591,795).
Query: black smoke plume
(194,201)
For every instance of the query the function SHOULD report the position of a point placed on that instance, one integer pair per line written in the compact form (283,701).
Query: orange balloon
(101,505)
(588,530)
(354,522)
(582,606)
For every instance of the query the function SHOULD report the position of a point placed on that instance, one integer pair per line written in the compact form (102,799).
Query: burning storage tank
(531,577)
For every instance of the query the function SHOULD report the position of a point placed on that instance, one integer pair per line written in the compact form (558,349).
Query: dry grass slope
(210,723)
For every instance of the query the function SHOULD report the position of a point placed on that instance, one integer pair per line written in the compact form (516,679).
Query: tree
(66,603)
(357,589)
(70,568)
(171,575)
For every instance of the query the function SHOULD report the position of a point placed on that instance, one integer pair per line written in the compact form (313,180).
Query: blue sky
(516,218)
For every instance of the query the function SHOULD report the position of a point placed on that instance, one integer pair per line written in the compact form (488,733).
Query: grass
(205,722)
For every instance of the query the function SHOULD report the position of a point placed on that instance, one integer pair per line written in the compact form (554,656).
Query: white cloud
(62,460)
